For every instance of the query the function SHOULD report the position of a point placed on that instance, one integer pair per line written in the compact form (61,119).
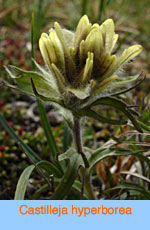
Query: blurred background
(132,22)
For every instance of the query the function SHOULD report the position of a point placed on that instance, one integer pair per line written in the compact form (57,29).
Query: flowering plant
(81,74)
(81,71)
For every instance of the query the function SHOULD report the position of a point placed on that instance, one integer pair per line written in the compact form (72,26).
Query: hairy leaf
(65,185)
(90,113)
(44,84)
(120,105)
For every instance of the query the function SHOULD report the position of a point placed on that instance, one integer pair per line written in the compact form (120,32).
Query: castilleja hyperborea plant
(81,75)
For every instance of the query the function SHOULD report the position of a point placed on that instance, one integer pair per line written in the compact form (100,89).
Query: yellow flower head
(83,59)
(81,67)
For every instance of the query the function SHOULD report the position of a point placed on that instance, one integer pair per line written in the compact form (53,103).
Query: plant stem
(78,140)
(79,146)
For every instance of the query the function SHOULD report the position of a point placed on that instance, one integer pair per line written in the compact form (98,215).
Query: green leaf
(66,183)
(122,82)
(118,86)
(101,9)
(90,113)
(50,168)
(120,105)
(66,138)
(39,96)
(38,169)
(45,84)
(42,189)
(77,187)
(67,115)
(130,88)
(23,182)
(143,158)
(144,126)
(132,187)
(104,152)
(136,175)
(47,129)
(30,153)
(84,6)
(81,94)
